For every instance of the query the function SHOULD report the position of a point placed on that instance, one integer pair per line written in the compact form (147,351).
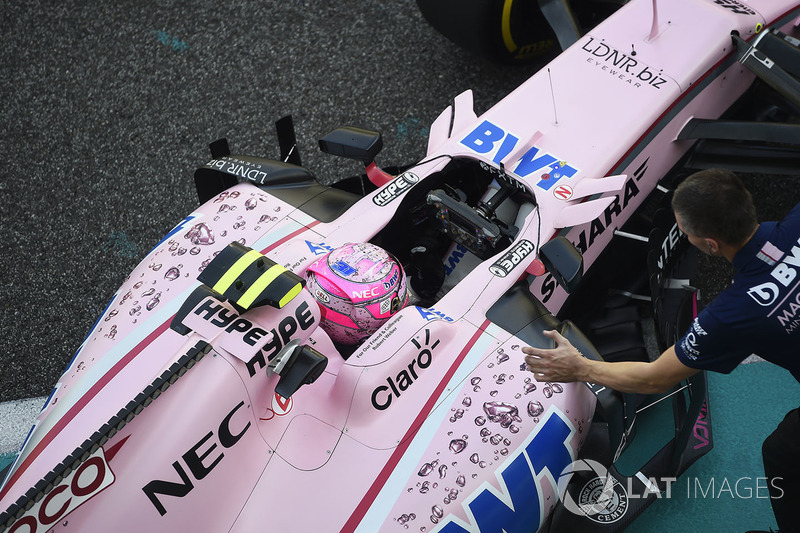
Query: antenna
(553,95)
(654,27)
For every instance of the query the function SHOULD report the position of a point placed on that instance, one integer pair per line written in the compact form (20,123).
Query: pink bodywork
(423,417)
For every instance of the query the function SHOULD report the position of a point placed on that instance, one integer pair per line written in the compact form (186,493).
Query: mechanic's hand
(564,363)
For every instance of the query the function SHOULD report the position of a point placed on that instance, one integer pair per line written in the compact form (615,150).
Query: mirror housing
(352,143)
(563,261)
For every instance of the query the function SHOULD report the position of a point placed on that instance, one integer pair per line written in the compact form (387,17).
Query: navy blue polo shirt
(760,312)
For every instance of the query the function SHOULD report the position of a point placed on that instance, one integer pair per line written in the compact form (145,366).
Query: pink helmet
(358,287)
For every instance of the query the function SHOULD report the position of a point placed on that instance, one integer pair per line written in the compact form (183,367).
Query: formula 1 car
(208,396)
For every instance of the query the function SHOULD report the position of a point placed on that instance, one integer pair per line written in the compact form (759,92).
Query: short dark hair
(714,203)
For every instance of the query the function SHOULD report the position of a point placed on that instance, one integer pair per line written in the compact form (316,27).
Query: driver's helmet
(358,287)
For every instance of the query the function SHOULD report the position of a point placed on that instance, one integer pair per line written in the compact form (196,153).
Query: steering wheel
(478,229)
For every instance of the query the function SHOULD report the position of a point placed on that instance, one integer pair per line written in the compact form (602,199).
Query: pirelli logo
(248,279)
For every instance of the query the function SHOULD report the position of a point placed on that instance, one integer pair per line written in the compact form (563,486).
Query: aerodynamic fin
(754,146)
(210,184)
(563,261)
(248,279)
(360,144)
(440,130)
(287,139)
(576,214)
(589,186)
(464,115)
(198,295)
(766,68)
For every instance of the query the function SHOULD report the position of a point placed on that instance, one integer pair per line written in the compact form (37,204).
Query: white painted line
(16,419)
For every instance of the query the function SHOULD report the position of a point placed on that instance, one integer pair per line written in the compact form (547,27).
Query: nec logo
(395,189)
(200,460)
(767,293)
(366,293)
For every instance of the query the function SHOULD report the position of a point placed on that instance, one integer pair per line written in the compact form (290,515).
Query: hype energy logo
(488,138)
(512,258)
(518,505)
(395,189)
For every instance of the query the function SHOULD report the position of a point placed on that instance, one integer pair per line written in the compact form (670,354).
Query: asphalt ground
(108,108)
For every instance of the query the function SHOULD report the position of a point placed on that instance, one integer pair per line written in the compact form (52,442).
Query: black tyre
(505,31)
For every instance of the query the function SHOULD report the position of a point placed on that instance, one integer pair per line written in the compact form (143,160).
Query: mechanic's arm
(564,363)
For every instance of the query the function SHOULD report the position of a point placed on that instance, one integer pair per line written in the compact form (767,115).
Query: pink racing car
(209,397)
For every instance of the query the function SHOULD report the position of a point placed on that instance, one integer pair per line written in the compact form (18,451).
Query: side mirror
(352,143)
(563,261)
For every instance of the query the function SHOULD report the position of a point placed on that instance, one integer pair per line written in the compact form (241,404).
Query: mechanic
(756,314)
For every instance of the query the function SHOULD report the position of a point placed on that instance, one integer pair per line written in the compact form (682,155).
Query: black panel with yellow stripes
(248,279)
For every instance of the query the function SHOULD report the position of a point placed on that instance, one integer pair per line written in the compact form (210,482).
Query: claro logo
(395,386)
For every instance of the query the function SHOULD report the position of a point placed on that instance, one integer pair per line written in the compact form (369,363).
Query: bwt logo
(484,140)
(767,293)
(519,504)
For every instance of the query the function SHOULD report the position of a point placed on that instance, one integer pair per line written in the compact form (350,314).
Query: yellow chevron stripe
(260,284)
(235,271)
(290,295)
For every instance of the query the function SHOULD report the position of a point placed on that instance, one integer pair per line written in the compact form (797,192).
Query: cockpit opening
(457,218)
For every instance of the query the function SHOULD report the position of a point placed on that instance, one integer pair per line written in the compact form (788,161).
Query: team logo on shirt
(770,254)
(784,274)
(764,294)
(689,343)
